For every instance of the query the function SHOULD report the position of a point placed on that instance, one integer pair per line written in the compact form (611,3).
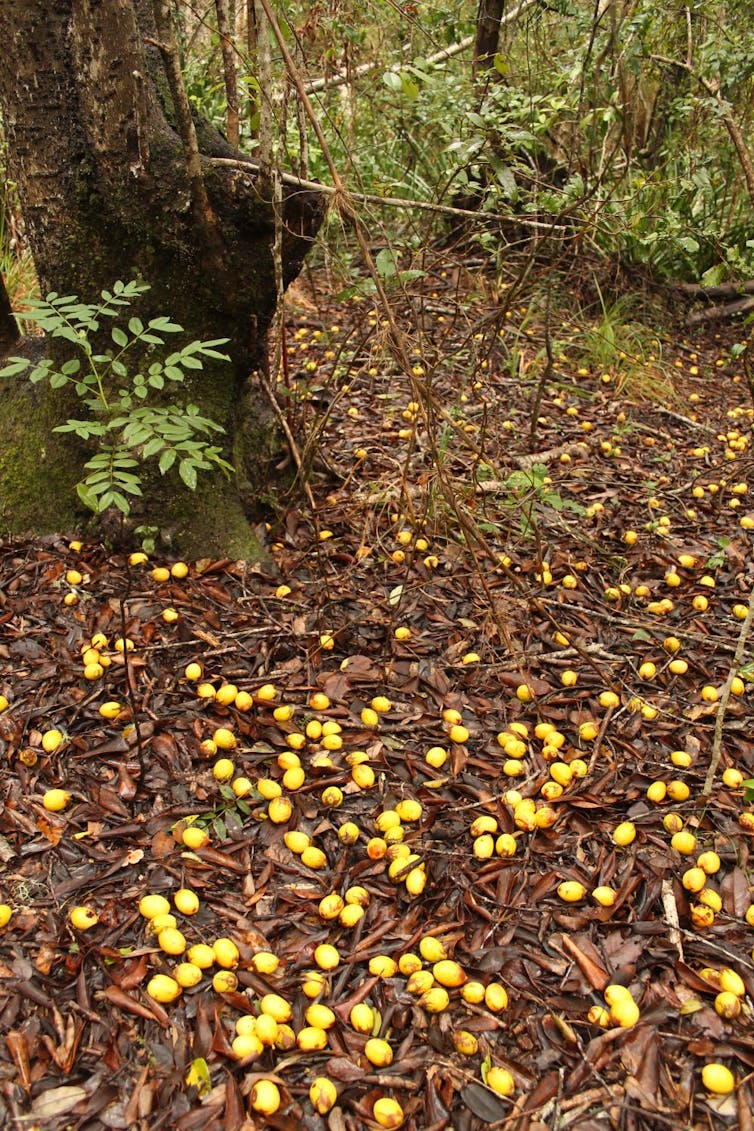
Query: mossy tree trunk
(107,194)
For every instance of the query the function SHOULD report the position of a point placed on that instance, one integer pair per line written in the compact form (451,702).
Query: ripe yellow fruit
(505,845)
(500,1081)
(245,1045)
(226,696)
(82,918)
(163,988)
(275,1006)
(473,993)
(195,837)
(279,810)
(524,693)
(387,1112)
(323,1094)
(432,949)
(224,739)
(179,570)
(187,974)
(571,891)
(435,1000)
(362,1017)
(378,1052)
(330,906)
(382,966)
(709,862)
(449,973)
(408,809)
(718,1079)
(730,980)
(624,834)
(694,879)
(265,1097)
(225,982)
(465,1043)
(265,962)
(172,941)
(55,800)
(313,857)
(624,1012)
(326,956)
(604,895)
(6,914)
(684,842)
(370,717)
(153,905)
(51,740)
(186,901)
(678,791)
(495,997)
(732,778)
(381,703)
(458,734)
(319,1016)
(226,953)
(201,955)
(311,1039)
(223,769)
(728,1005)
(241,786)
(609,699)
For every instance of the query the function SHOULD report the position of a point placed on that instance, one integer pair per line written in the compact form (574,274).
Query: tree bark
(94,146)
(489,16)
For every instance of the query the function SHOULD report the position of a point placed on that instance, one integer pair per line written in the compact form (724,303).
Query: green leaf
(15,365)
(88,498)
(167,459)
(136,326)
(118,337)
(187,472)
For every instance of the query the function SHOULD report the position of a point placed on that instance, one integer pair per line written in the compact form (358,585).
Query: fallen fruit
(82,918)
(163,988)
(322,1094)
(265,1097)
(387,1112)
(718,1079)
(54,800)
(500,1081)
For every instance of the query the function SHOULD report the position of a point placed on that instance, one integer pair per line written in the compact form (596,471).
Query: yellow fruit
(709,862)
(170,615)
(624,834)
(265,1097)
(279,810)
(205,691)
(609,699)
(505,845)
(93,671)
(362,1017)
(678,791)
(241,786)
(226,953)
(186,901)
(153,905)
(524,693)
(245,1045)
(163,988)
(387,1112)
(225,696)
(266,693)
(332,797)
(275,1006)
(313,857)
(265,962)
(449,973)
(283,591)
(728,1005)
(179,570)
(408,809)
(326,641)
(187,974)
(6,914)
(243,702)
(709,693)
(201,955)
(624,1012)
(378,1052)
(458,734)
(473,993)
(225,982)
(137,558)
(382,966)
(604,895)
(465,1043)
(326,957)
(598,1015)
(683,842)
(432,949)
(732,778)
(160,922)
(223,769)
(55,800)
(51,740)
(323,1094)
(571,891)
(82,918)
(500,1081)
(419,982)
(110,710)
(718,1079)
(195,837)
(224,739)
(172,941)
(495,997)
(483,846)
(435,1000)
(730,980)
(710,898)
(311,1039)
(319,1016)
(694,879)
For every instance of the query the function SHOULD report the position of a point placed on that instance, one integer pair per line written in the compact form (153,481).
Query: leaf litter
(497,659)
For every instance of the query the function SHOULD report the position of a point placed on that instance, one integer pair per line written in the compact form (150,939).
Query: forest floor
(555,611)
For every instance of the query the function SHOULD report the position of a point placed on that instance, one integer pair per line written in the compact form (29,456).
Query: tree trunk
(95,149)
(489,15)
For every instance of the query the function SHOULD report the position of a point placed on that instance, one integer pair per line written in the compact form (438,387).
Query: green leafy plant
(124,427)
